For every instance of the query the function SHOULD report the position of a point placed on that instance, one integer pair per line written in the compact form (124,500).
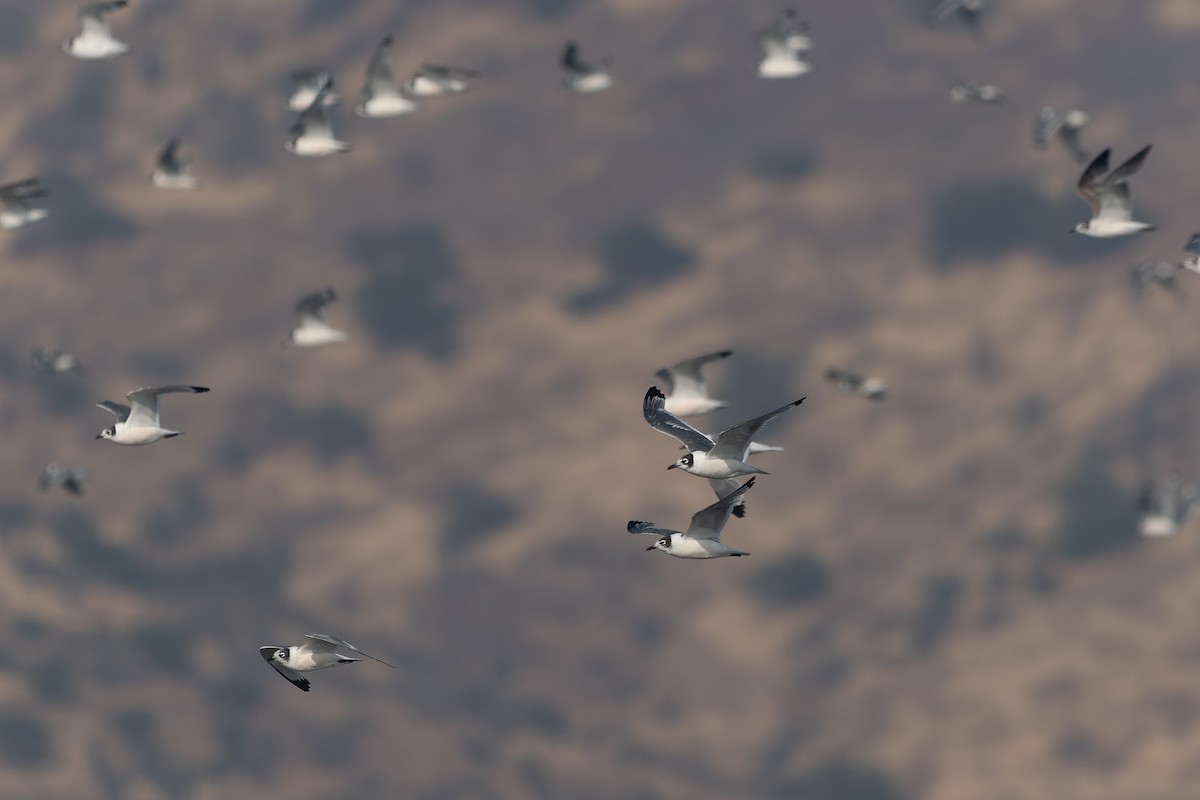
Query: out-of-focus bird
(581,76)
(311,134)
(16,204)
(97,40)
(312,329)
(702,539)
(432,80)
(687,394)
(1109,197)
(1166,507)
(1146,275)
(307,84)
(319,652)
(870,387)
(137,423)
(54,362)
(68,477)
(969,11)
(1063,124)
(1192,262)
(982,93)
(171,171)
(783,42)
(384,97)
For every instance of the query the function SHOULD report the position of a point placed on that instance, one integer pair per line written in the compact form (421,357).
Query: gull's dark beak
(98,436)
(651,547)
(673,466)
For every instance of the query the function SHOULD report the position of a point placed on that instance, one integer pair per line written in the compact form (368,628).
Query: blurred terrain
(946,599)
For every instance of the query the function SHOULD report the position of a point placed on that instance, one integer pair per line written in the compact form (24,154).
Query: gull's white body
(312,135)
(1166,508)
(591,82)
(55,362)
(16,207)
(432,81)
(11,219)
(581,76)
(383,95)
(312,329)
(138,423)
(96,41)
(783,42)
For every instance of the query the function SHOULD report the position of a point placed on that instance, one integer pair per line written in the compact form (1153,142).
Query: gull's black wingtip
(634,523)
(652,393)
(200,389)
(739,512)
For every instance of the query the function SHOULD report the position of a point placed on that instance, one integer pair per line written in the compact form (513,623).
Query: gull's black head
(684,463)
(662,544)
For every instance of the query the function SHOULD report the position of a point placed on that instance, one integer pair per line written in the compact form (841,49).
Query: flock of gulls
(721,459)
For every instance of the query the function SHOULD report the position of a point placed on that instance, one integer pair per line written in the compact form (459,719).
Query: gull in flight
(687,394)
(581,76)
(54,362)
(311,134)
(70,478)
(171,170)
(972,92)
(1166,508)
(853,383)
(97,40)
(1148,273)
(969,11)
(316,653)
(724,457)
(1108,195)
(312,329)
(307,84)
(16,210)
(1192,262)
(137,423)
(702,539)
(432,80)
(384,98)
(783,41)
(1065,124)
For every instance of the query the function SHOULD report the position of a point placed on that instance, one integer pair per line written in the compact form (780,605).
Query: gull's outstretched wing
(637,526)
(320,643)
(144,403)
(708,522)
(122,411)
(734,442)
(663,421)
(685,379)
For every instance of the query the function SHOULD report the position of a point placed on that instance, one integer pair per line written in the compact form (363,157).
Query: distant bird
(1147,274)
(137,423)
(312,330)
(1108,195)
(70,478)
(871,388)
(307,84)
(432,80)
(16,206)
(982,93)
(703,536)
(383,95)
(723,458)
(311,134)
(1065,124)
(969,11)
(1165,508)
(783,42)
(54,362)
(97,40)
(317,653)
(171,170)
(581,76)
(687,394)
(1192,262)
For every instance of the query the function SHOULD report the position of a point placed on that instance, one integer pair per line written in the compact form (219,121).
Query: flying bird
(1192,262)
(981,93)
(307,84)
(383,95)
(581,76)
(137,423)
(724,457)
(1063,124)
(1109,197)
(311,134)
(871,388)
(687,394)
(1165,508)
(70,478)
(702,539)
(432,80)
(783,42)
(969,11)
(16,204)
(1146,275)
(171,170)
(97,40)
(319,652)
(312,329)
(54,362)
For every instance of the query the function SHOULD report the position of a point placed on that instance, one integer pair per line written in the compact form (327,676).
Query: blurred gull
(981,93)
(1064,124)
(16,207)
(137,423)
(1164,509)
(311,134)
(307,84)
(783,41)
(70,478)
(171,170)
(383,95)
(54,362)
(97,40)
(581,76)
(432,80)
(870,387)
(720,459)
(969,11)
(1150,273)
(1108,195)
(1192,262)
(687,394)
(317,653)
(703,536)
(312,329)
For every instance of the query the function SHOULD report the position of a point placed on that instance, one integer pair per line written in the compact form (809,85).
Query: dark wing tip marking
(653,393)
(739,511)
(635,525)
(200,389)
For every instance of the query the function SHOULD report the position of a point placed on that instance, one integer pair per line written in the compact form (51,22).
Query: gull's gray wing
(320,643)
(1049,122)
(92,17)
(572,62)
(144,403)
(685,378)
(122,411)
(637,526)
(945,8)
(168,159)
(733,443)
(312,306)
(312,120)
(663,421)
(293,677)
(1092,179)
(1116,200)
(708,522)
(17,195)
(380,79)
(1193,244)
(52,473)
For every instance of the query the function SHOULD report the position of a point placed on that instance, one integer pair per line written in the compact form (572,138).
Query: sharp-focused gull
(702,539)
(171,171)
(311,134)
(307,84)
(581,76)
(16,204)
(54,362)
(1063,124)
(319,652)
(70,478)
(137,423)
(312,329)
(432,80)
(383,95)
(1109,197)
(96,40)
(687,394)
(783,42)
